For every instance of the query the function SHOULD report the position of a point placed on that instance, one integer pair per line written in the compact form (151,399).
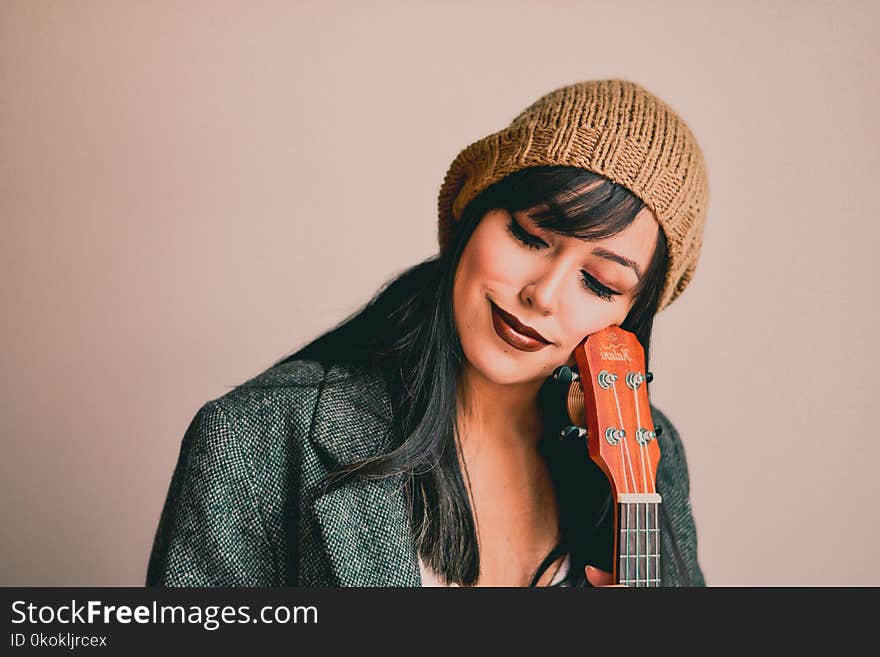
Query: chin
(507,366)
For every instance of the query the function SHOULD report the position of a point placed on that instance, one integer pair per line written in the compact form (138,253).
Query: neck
(506,413)
(512,493)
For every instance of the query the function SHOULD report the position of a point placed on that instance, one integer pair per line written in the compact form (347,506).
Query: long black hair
(406,334)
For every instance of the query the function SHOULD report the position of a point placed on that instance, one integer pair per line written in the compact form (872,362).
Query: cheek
(487,264)
(484,268)
(465,293)
(487,258)
(590,319)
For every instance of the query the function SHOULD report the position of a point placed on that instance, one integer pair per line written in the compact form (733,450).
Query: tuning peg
(658,430)
(562,375)
(649,376)
(571,432)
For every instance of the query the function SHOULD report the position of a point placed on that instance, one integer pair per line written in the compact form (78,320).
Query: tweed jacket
(245,508)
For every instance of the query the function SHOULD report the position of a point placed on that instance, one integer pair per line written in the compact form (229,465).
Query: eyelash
(531,242)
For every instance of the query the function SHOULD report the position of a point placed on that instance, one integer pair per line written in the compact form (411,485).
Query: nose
(542,294)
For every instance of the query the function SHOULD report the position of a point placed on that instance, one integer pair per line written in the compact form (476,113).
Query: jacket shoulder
(294,373)
(283,396)
(322,415)
(227,518)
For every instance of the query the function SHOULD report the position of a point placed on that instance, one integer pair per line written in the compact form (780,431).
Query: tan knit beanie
(614,128)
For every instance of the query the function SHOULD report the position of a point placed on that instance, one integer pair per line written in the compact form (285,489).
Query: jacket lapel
(364,524)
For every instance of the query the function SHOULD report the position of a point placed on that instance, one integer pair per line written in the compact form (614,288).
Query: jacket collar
(364,524)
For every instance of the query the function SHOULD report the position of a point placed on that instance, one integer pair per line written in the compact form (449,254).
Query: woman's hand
(598,577)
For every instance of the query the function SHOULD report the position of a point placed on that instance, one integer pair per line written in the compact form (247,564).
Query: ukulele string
(627,459)
(625,531)
(651,530)
(642,446)
(624,450)
(643,449)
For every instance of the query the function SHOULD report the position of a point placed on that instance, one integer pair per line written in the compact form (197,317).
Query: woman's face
(564,288)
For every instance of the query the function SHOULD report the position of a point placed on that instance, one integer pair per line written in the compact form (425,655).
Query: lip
(514,332)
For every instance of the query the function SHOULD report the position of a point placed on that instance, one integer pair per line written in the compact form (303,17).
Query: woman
(416,442)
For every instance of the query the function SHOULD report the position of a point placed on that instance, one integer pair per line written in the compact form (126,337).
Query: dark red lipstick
(514,332)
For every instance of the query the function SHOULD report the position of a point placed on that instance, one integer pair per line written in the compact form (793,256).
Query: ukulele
(607,403)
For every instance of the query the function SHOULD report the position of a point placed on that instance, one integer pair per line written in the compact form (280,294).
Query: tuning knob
(649,376)
(658,430)
(571,432)
(563,375)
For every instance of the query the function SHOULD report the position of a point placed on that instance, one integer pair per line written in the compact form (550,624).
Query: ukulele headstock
(612,385)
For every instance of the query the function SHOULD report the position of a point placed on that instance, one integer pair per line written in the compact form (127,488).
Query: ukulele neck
(638,539)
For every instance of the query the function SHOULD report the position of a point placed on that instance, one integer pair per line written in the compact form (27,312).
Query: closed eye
(527,239)
(535,243)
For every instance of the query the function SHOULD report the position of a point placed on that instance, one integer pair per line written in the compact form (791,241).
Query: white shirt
(430,578)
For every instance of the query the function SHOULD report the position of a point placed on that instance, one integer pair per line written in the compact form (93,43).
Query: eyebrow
(619,259)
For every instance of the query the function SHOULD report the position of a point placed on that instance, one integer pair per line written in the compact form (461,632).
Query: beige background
(190,190)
